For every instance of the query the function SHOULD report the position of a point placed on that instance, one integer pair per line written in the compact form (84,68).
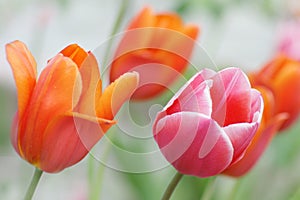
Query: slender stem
(34,182)
(96,181)
(172,185)
(123,8)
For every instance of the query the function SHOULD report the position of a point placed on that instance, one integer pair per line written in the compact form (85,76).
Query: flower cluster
(217,123)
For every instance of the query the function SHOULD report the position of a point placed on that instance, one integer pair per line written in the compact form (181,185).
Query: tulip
(158,46)
(268,128)
(281,77)
(209,123)
(62,114)
(288,39)
(277,81)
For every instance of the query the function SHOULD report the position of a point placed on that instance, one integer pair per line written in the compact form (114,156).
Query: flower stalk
(172,185)
(33,185)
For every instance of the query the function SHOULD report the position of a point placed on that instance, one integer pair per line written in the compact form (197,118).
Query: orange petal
(169,21)
(14,133)
(144,19)
(91,86)
(68,139)
(76,53)
(191,30)
(286,88)
(23,66)
(116,94)
(269,103)
(56,92)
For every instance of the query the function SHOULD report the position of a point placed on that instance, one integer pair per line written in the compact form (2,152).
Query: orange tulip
(158,46)
(62,114)
(279,83)
(281,77)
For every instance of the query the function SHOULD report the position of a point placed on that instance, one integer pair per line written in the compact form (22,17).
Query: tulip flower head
(281,77)
(209,123)
(158,47)
(63,113)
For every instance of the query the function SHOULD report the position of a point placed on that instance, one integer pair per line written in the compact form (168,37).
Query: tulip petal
(69,138)
(167,26)
(56,92)
(143,19)
(116,94)
(237,96)
(23,66)
(162,40)
(268,101)
(194,100)
(192,31)
(241,136)
(14,133)
(193,143)
(169,21)
(258,145)
(286,87)
(76,53)
(91,86)
(257,106)
(194,96)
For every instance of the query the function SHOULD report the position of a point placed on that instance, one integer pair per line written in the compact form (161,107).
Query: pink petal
(257,105)
(237,98)
(193,143)
(194,96)
(258,145)
(241,136)
(193,100)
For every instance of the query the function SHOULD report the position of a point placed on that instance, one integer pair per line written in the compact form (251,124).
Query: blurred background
(240,33)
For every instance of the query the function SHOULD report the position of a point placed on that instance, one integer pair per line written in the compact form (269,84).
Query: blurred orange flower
(158,46)
(281,76)
(62,114)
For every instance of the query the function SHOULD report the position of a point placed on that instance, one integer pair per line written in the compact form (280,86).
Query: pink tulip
(209,124)
(289,40)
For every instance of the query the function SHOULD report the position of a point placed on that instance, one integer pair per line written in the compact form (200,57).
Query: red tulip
(158,46)
(209,124)
(63,113)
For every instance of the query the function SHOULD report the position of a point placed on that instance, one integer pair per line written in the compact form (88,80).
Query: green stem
(34,182)
(172,185)
(123,8)
(96,182)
